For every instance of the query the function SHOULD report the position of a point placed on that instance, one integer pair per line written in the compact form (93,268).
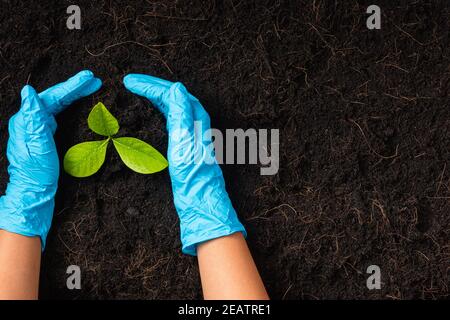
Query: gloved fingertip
(96,85)
(136,83)
(86,82)
(29,99)
(85,73)
(179,93)
(143,88)
(137,79)
(32,112)
(81,77)
(129,77)
(27,91)
(63,94)
(179,89)
(128,81)
(86,86)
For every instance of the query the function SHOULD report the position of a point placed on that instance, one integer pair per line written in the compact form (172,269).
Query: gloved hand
(27,206)
(202,203)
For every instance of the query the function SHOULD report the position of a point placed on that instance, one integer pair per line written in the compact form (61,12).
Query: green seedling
(86,158)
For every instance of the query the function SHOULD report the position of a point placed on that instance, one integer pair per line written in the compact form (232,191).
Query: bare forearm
(227,270)
(20,259)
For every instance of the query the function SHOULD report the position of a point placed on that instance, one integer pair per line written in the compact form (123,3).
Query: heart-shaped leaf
(85,159)
(139,156)
(102,122)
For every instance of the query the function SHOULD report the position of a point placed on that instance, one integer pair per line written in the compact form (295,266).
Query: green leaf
(102,122)
(139,156)
(85,159)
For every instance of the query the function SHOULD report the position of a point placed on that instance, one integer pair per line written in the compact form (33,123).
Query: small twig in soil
(409,99)
(262,215)
(286,292)
(151,15)
(211,9)
(395,66)
(65,245)
(74,227)
(323,39)
(377,203)
(1,81)
(263,50)
(409,35)
(156,54)
(423,255)
(370,147)
(61,211)
(400,236)
(440,180)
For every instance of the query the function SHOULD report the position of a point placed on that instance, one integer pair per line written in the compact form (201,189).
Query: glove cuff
(27,220)
(197,227)
(190,244)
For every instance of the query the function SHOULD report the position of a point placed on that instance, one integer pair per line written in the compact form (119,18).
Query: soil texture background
(364,123)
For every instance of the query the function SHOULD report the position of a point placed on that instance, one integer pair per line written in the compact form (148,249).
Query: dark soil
(364,125)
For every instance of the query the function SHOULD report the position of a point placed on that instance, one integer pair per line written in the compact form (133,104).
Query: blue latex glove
(27,207)
(202,203)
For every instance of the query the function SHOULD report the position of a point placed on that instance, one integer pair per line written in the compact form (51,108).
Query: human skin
(20,260)
(227,270)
